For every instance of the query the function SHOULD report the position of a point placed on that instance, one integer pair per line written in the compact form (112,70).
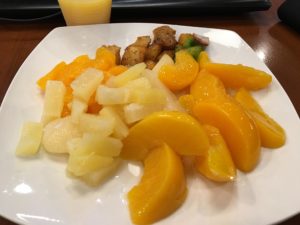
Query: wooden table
(277,44)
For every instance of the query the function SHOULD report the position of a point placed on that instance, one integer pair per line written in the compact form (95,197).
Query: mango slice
(272,135)
(238,76)
(182,74)
(217,165)
(237,128)
(162,188)
(180,131)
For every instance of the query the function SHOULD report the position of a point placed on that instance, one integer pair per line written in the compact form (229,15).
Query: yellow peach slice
(180,131)
(237,76)
(217,165)
(237,128)
(272,135)
(162,188)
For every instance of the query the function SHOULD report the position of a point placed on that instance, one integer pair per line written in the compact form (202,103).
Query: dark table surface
(263,31)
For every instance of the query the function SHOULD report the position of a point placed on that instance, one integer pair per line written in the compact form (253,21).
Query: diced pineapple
(89,123)
(99,176)
(80,165)
(132,73)
(120,130)
(141,83)
(96,143)
(73,144)
(30,140)
(54,101)
(134,112)
(57,133)
(164,60)
(148,97)
(86,84)
(172,103)
(78,107)
(112,96)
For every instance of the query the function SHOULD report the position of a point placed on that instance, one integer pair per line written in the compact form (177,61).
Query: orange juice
(80,12)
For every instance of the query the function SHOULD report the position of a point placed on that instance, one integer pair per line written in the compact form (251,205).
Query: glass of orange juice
(81,12)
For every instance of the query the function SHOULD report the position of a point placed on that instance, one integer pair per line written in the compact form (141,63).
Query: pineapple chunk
(96,124)
(112,96)
(77,108)
(131,74)
(30,139)
(96,143)
(148,97)
(120,130)
(86,84)
(54,101)
(141,83)
(164,60)
(99,176)
(57,133)
(80,165)
(134,112)
(172,103)
(73,144)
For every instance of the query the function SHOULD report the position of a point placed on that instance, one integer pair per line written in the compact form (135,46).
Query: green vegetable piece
(178,48)
(189,42)
(195,51)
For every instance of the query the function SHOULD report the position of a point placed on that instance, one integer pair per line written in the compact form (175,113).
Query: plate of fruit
(147,123)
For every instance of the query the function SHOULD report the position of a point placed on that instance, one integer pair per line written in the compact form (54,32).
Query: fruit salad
(100,112)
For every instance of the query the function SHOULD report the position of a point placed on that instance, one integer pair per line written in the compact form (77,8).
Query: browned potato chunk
(142,41)
(153,51)
(165,36)
(133,55)
(150,64)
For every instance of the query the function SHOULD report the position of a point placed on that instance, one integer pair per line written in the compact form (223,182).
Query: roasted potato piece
(133,55)
(150,64)
(171,53)
(116,50)
(153,52)
(165,36)
(142,41)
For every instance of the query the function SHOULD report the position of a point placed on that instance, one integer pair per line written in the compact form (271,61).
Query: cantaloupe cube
(132,73)
(89,123)
(86,84)
(121,129)
(112,96)
(30,140)
(53,101)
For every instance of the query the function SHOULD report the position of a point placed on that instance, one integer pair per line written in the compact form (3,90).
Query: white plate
(37,191)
